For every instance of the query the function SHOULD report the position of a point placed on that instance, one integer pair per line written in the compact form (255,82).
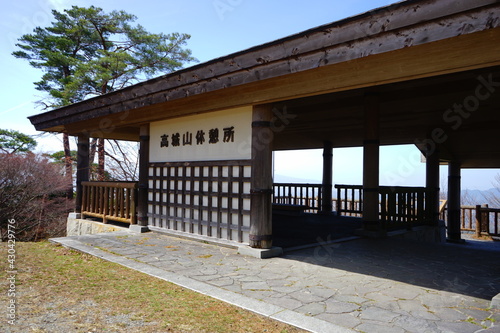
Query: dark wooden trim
(192,206)
(241,211)
(230,200)
(82,170)
(202,222)
(210,209)
(201,163)
(188,184)
(262,183)
(260,238)
(327,182)
(219,202)
(175,204)
(142,205)
(261,124)
(210,199)
(432,184)
(454,211)
(371,162)
(371,142)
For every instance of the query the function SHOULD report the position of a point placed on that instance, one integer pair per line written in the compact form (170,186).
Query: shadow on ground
(463,269)
(291,231)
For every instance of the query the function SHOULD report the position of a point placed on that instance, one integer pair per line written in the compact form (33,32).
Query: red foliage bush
(32,194)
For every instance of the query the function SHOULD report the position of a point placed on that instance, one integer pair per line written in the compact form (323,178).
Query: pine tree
(87,52)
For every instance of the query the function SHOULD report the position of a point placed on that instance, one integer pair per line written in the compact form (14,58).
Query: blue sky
(218,28)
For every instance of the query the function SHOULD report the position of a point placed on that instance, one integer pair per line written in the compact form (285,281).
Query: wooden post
(479,223)
(371,156)
(142,196)
(82,169)
(454,234)
(262,183)
(339,201)
(432,184)
(326,188)
(105,204)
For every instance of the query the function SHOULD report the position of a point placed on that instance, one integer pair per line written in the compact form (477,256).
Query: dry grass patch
(61,290)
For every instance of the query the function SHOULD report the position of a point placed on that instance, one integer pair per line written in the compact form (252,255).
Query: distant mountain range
(478,197)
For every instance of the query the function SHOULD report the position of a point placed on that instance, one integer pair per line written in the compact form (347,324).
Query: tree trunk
(92,150)
(68,163)
(100,157)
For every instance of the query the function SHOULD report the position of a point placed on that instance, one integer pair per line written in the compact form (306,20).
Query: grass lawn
(60,290)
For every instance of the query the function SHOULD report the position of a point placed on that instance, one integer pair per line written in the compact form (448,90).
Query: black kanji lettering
(228,134)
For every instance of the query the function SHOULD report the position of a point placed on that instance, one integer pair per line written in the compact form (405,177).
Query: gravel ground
(60,315)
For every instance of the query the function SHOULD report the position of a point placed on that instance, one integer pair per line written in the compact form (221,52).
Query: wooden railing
(115,201)
(403,206)
(298,195)
(487,222)
(349,200)
(399,206)
(467,217)
(353,207)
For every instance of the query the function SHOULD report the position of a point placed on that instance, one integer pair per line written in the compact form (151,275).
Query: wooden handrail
(112,184)
(487,221)
(468,218)
(403,206)
(399,205)
(114,201)
(349,200)
(300,194)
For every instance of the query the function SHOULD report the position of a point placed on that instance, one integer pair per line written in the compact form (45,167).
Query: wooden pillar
(142,204)
(262,182)
(326,204)
(82,169)
(454,190)
(432,184)
(371,157)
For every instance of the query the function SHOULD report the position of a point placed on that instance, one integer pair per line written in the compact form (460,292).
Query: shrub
(32,192)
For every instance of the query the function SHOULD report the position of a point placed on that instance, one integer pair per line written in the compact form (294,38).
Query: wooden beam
(371,165)
(454,211)
(432,183)
(327,186)
(82,169)
(262,182)
(142,204)
(407,63)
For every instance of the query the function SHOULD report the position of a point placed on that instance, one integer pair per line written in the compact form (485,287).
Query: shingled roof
(399,26)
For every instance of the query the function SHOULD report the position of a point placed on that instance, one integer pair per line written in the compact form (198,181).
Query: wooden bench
(285,209)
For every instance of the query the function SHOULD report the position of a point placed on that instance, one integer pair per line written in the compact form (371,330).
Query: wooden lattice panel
(205,198)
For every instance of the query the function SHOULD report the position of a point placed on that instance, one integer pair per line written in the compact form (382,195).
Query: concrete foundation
(138,228)
(260,253)
(76,226)
(495,302)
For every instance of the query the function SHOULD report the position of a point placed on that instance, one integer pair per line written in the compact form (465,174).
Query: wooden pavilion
(423,72)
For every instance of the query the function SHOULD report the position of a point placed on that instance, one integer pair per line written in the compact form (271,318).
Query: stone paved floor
(365,285)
